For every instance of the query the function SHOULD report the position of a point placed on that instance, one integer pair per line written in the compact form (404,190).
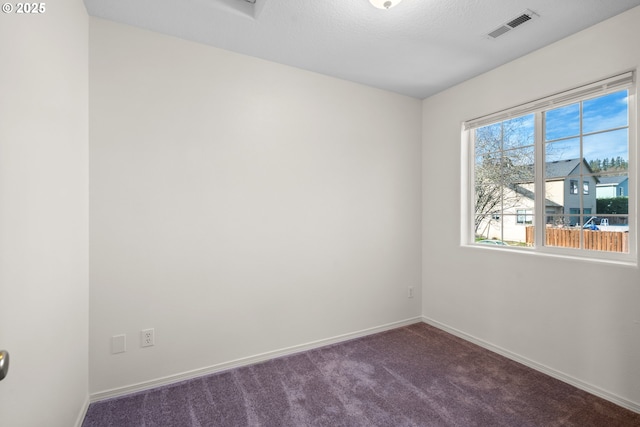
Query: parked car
(492,242)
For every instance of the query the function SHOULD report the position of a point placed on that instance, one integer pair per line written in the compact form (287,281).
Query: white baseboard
(83,412)
(171,379)
(589,388)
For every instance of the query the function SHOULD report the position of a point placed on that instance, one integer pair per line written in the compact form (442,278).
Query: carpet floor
(416,375)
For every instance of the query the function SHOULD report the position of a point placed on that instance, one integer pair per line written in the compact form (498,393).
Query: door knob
(4,364)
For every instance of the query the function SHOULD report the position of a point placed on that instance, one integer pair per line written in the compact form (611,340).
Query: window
(527,164)
(524,216)
(573,186)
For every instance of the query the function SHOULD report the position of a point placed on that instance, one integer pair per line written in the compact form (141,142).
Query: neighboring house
(612,186)
(564,187)
(562,201)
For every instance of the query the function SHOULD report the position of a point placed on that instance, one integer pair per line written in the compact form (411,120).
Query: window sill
(625,260)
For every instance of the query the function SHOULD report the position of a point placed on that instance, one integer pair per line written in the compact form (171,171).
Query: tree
(504,161)
(612,206)
(617,164)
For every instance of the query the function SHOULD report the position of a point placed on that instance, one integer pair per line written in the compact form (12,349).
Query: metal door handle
(4,364)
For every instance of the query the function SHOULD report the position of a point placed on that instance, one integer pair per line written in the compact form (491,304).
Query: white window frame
(600,88)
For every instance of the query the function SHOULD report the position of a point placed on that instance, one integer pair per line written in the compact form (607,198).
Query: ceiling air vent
(527,15)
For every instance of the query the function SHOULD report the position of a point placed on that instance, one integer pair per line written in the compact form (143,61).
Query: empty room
(319,213)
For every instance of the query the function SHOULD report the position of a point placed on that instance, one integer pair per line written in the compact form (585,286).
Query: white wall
(44,215)
(580,319)
(239,206)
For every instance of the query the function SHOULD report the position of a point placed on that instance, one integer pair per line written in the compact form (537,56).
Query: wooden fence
(610,241)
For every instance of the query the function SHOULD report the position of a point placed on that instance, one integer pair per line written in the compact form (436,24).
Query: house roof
(562,168)
(612,180)
(531,195)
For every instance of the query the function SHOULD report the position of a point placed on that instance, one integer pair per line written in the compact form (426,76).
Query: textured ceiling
(418,48)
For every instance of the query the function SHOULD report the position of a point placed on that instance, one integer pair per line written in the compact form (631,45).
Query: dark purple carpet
(411,376)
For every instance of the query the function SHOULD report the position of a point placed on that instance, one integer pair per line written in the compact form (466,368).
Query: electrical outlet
(147,337)
(410,292)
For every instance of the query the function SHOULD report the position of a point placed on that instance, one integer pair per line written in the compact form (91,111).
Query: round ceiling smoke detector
(384,4)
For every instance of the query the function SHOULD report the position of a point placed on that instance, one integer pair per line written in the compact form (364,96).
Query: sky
(603,117)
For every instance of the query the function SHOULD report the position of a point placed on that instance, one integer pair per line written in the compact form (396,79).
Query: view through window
(564,170)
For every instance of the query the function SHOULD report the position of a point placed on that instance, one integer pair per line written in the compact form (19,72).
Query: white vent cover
(514,22)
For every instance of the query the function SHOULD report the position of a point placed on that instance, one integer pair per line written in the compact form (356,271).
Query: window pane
(488,197)
(612,195)
(518,132)
(607,238)
(605,112)
(519,194)
(504,180)
(574,218)
(562,150)
(530,235)
(491,161)
(488,139)
(609,234)
(518,165)
(557,220)
(562,122)
(555,195)
(564,168)
(514,231)
(607,151)
(613,222)
(559,233)
(483,224)
(553,213)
